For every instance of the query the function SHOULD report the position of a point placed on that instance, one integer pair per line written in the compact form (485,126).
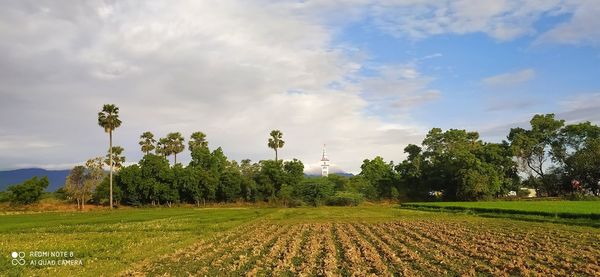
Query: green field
(563,209)
(380,240)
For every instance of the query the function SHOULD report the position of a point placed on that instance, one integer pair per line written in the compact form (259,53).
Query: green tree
(270,178)
(83,180)
(75,183)
(29,191)
(176,144)
(163,147)
(132,184)
(198,146)
(248,186)
(359,184)
(230,182)
(101,195)
(197,139)
(118,158)
(155,176)
(108,119)
(411,173)
(205,169)
(499,155)
(276,141)
(294,171)
(532,147)
(147,142)
(314,191)
(380,175)
(171,185)
(583,166)
(286,195)
(460,165)
(340,182)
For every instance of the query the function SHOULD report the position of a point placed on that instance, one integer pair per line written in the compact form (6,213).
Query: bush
(61,194)
(578,196)
(346,198)
(312,193)
(29,191)
(101,195)
(4,196)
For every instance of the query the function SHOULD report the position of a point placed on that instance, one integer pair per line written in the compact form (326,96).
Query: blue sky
(364,77)
(458,64)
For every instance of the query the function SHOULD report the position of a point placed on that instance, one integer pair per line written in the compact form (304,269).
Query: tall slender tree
(176,144)
(276,141)
(118,158)
(108,119)
(147,142)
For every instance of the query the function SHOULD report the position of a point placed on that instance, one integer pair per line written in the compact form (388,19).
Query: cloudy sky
(364,77)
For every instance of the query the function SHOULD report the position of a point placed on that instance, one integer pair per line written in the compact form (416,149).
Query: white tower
(324,163)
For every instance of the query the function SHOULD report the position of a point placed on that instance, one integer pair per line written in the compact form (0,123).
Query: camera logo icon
(18,258)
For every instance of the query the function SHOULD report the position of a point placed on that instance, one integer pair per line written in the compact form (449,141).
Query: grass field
(562,209)
(378,240)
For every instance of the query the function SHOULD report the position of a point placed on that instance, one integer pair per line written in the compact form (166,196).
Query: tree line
(555,158)
(551,157)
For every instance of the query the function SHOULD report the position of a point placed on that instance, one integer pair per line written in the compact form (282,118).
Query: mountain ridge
(56,178)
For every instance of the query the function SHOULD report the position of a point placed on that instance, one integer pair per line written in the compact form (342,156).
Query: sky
(366,78)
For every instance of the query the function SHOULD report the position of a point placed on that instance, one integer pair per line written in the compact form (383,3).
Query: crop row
(415,248)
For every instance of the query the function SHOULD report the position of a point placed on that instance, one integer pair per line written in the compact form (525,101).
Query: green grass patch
(109,242)
(577,210)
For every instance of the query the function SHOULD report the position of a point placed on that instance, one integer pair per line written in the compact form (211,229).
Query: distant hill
(56,178)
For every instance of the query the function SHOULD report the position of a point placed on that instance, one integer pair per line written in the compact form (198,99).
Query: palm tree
(197,139)
(147,142)
(163,147)
(118,158)
(275,141)
(108,119)
(176,144)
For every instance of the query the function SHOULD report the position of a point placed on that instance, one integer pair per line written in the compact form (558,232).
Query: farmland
(379,240)
(582,208)
(569,212)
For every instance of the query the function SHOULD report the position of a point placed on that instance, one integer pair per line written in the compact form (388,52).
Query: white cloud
(502,19)
(225,67)
(233,69)
(582,28)
(581,107)
(510,78)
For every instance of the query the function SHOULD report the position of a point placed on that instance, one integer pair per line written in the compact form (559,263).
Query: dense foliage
(552,157)
(28,192)
(555,159)
(212,177)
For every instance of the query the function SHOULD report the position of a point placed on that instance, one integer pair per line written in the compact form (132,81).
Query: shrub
(4,196)
(523,193)
(312,193)
(101,195)
(578,196)
(29,191)
(345,198)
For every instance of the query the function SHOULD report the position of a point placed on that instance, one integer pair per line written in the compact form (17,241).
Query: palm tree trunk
(275,154)
(111,169)
(175,161)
